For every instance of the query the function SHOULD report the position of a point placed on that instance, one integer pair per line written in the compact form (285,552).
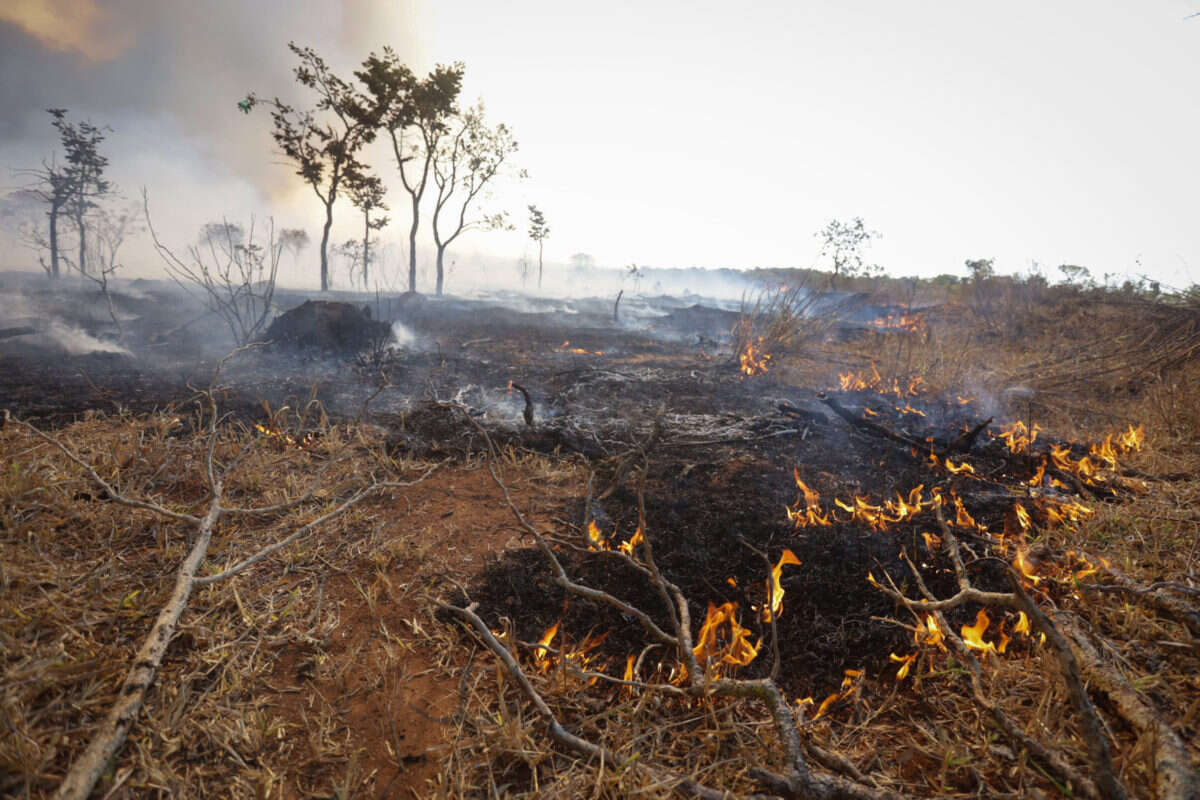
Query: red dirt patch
(379,681)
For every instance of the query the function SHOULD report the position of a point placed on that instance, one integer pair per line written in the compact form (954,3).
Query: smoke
(167,77)
(77,342)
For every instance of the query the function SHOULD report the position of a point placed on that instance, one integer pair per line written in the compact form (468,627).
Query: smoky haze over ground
(166,77)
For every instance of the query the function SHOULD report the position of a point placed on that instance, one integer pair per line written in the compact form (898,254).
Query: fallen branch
(1167,605)
(1172,763)
(798,782)
(106,741)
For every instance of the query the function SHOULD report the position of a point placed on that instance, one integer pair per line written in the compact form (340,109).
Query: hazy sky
(686,133)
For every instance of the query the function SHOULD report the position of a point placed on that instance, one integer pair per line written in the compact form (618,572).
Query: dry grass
(282,681)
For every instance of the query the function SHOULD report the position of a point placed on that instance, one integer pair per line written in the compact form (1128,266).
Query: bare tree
(108,232)
(416,115)
(234,273)
(294,240)
(324,142)
(466,162)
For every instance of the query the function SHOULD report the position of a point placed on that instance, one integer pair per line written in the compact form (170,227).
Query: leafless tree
(108,231)
(233,272)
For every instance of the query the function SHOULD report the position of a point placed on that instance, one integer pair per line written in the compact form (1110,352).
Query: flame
(722,640)
(284,438)
(856,382)
(596,540)
(1066,514)
(850,685)
(1022,625)
(963,518)
(1022,516)
(1004,640)
(908,409)
(634,541)
(1131,440)
(541,655)
(753,359)
(1019,437)
(774,589)
(577,350)
(812,515)
(932,541)
(905,663)
(929,633)
(900,321)
(1025,568)
(973,635)
(956,469)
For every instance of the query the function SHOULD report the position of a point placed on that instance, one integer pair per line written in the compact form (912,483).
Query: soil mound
(328,325)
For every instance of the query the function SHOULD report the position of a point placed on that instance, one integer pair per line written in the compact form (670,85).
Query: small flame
(973,635)
(812,515)
(1025,568)
(956,469)
(1022,625)
(753,359)
(722,640)
(634,541)
(929,633)
(541,655)
(774,589)
(596,540)
(1019,437)
(1022,516)
(900,321)
(905,663)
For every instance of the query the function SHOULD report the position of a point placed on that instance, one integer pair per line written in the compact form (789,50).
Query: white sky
(716,134)
(676,134)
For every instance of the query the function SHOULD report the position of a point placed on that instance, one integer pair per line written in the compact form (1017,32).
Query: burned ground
(656,403)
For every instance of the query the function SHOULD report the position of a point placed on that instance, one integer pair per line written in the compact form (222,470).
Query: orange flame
(1025,568)
(774,589)
(812,515)
(596,540)
(973,635)
(1019,437)
(634,541)
(929,633)
(905,662)
(722,640)
(753,359)
(541,655)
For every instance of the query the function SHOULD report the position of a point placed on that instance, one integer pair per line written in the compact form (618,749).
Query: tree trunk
(54,241)
(325,244)
(412,244)
(366,248)
(540,246)
(441,252)
(82,243)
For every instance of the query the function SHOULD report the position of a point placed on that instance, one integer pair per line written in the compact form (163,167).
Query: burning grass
(323,671)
